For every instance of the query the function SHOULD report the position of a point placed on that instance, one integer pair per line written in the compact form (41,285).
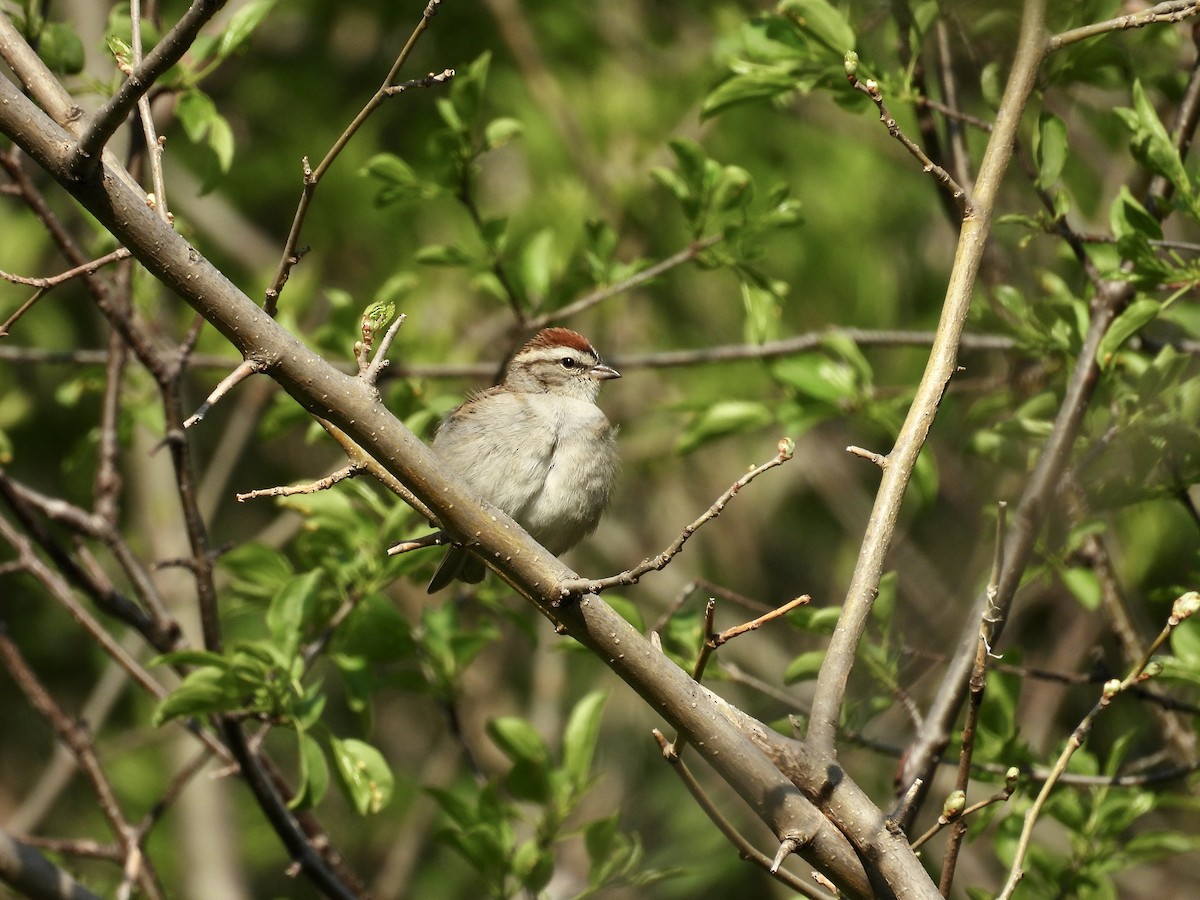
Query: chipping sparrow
(536,446)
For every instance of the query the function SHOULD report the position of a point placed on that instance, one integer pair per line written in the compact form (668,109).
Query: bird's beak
(603,372)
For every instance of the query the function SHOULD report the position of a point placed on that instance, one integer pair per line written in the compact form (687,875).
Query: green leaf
(691,162)
(377,315)
(287,613)
(1084,585)
(500,131)
(518,740)
(61,49)
(1136,316)
(202,692)
(1050,149)
(762,307)
(804,667)
(377,631)
(822,21)
(241,25)
(397,179)
(722,418)
(195,111)
(1128,218)
(258,571)
(191,658)
(314,773)
(539,263)
(205,126)
(815,375)
(442,255)
(529,781)
(755,82)
(579,739)
(363,773)
(1151,144)
(534,866)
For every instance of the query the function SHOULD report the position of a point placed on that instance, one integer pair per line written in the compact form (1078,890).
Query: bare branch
(165,54)
(943,361)
(1175,11)
(247,368)
(323,484)
(686,255)
(312,177)
(977,686)
(871,88)
(744,847)
(658,563)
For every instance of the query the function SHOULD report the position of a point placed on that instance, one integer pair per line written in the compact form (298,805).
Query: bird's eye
(568,362)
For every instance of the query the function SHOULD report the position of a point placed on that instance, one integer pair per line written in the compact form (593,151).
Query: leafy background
(622,134)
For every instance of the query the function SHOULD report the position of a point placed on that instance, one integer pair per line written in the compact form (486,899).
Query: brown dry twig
(312,177)
(580,586)
(871,88)
(323,484)
(735,837)
(244,370)
(45,284)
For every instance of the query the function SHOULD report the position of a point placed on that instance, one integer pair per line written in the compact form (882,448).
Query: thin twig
(437,539)
(1175,11)
(1184,607)
(244,370)
(744,847)
(658,563)
(687,254)
(955,812)
(871,88)
(312,177)
(977,686)
(730,633)
(165,54)
(322,484)
(708,587)
(380,361)
(43,285)
(158,199)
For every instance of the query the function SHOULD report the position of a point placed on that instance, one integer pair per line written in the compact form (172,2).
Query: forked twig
(787,448)
(1185,607)
(244,370)
(744,847)
(312,177)
(871,88)
(45,284)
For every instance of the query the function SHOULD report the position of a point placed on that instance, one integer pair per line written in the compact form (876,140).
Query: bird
(536,446)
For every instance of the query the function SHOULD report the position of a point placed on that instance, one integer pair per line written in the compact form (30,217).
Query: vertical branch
(312,177)
(978,684)
(80,744)
(165,54)
(864,585)
(1110,298)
